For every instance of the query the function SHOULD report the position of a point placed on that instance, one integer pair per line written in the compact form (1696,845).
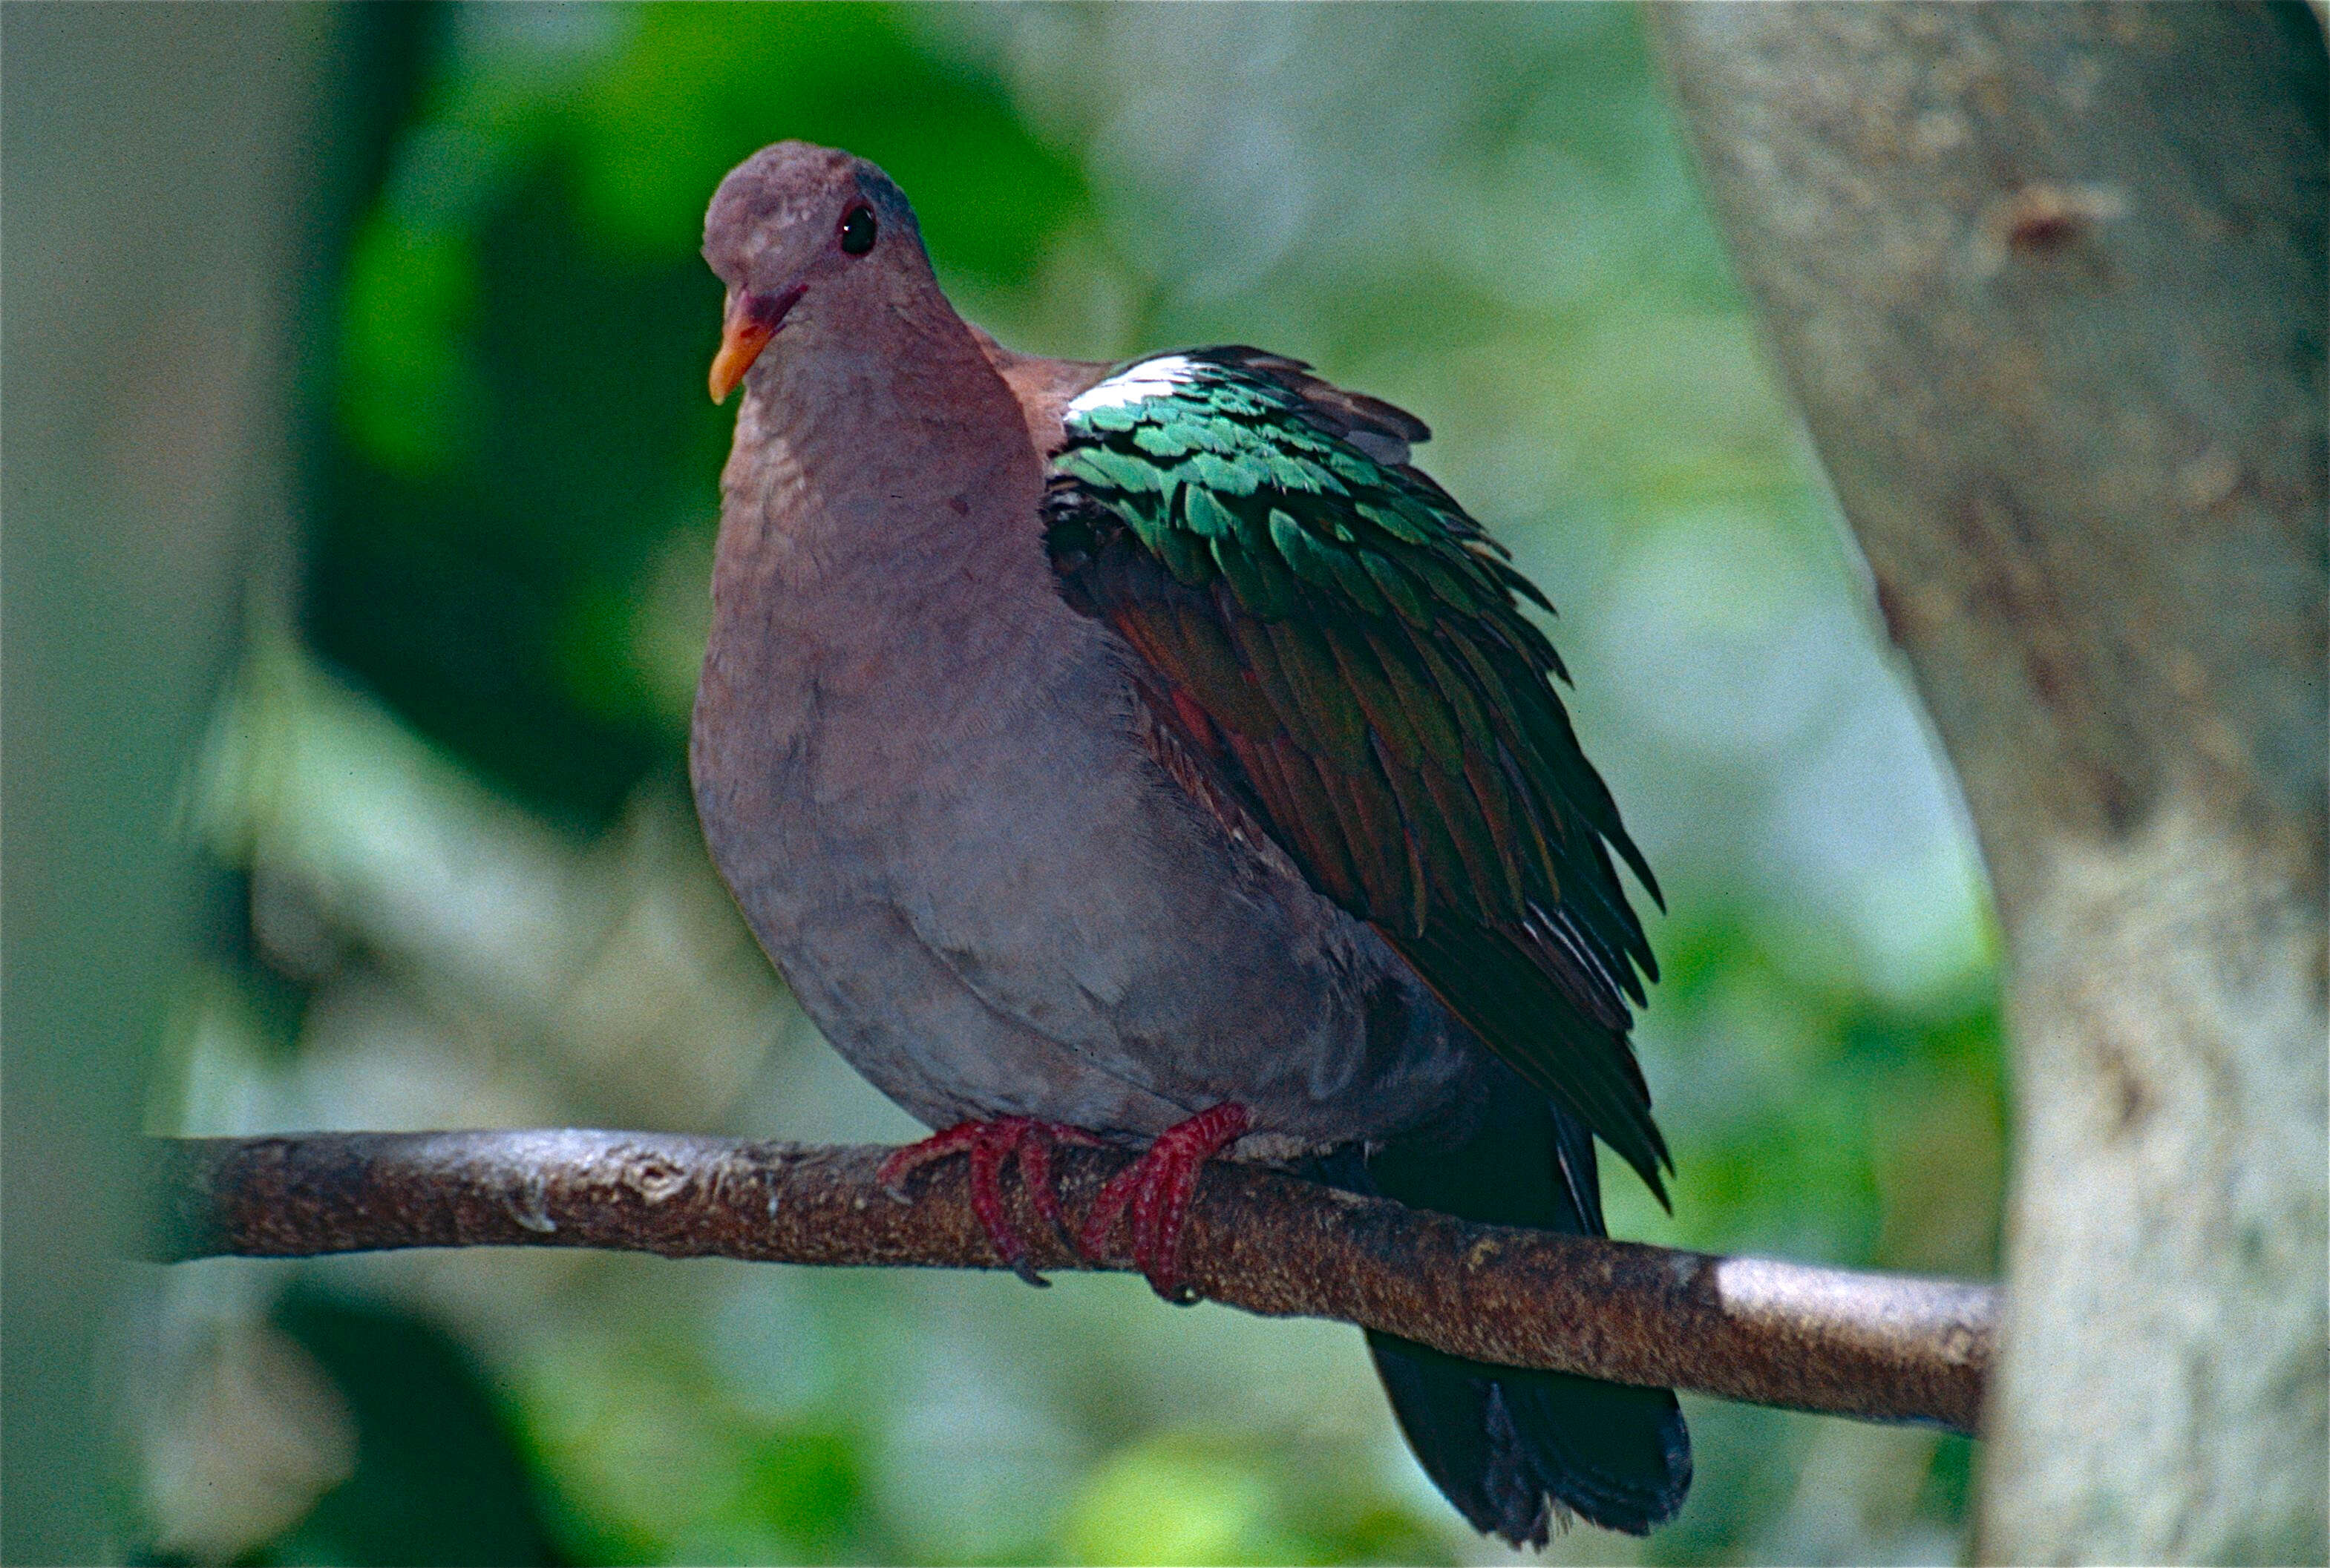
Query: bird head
(797,231)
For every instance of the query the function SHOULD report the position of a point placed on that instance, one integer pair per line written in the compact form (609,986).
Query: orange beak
(750,321)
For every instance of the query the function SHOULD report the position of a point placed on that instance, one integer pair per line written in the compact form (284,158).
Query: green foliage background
(449,797)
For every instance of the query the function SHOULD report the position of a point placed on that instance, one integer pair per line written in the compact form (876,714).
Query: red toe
(1158,1188)
(990,1145)
(987,1157)
(905,1162)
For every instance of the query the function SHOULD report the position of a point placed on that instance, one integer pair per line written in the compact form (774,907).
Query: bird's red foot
(990,1144)
(1157,1187)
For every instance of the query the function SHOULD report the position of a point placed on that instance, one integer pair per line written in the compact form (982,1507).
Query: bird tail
(1520,1451)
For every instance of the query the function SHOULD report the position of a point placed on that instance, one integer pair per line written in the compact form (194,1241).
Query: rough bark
(2049,284)
(1880,1346)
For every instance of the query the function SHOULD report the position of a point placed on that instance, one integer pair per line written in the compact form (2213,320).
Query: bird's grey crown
(791,183)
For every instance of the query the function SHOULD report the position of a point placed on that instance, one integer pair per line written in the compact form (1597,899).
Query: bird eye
(858,230)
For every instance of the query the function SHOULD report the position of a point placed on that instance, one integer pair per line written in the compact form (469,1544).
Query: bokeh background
(452,876)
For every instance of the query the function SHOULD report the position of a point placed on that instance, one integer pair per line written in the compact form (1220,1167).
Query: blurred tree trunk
(158,163)
(2048,282)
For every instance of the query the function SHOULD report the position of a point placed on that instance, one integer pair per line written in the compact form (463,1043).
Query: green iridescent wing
(1345,653)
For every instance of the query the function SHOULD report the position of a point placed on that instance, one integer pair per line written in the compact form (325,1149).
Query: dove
(1152,755)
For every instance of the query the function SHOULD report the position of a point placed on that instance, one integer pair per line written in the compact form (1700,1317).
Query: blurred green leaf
(805,1486)
(1171,1501)
(408,392)
(438,1478)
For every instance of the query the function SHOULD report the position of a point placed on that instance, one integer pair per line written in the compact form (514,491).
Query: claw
(1157,1188)
(990,1144)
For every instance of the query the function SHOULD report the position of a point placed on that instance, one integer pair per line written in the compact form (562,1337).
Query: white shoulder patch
(1137,383)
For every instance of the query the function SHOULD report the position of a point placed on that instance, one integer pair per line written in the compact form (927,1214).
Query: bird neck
(880,531)
(880,444)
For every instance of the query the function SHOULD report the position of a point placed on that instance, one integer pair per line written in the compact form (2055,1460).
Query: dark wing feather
(1346,651)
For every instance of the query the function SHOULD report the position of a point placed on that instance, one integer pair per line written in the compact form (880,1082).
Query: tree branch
(1876,1346)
